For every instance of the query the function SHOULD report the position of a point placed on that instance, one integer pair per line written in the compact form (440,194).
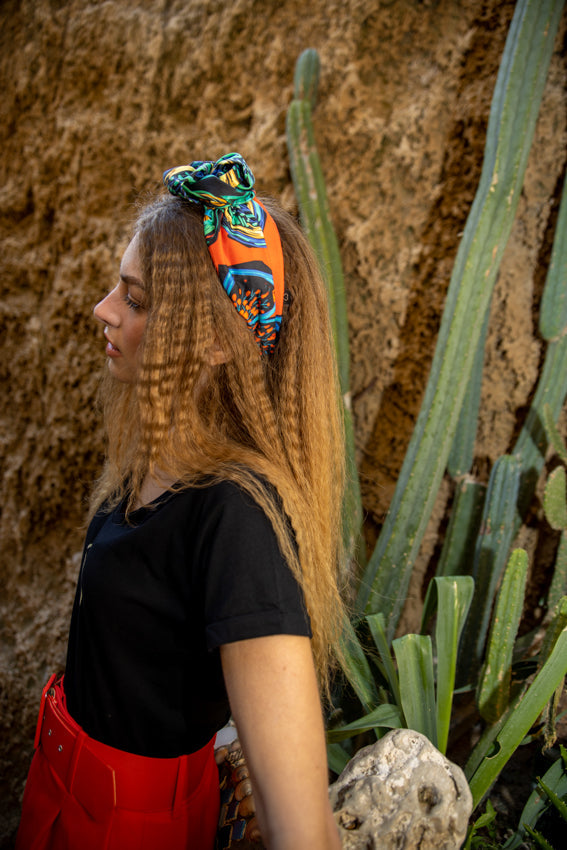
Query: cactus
(313,204)
(315,217)
(504,737)
(306,77)
(554,499)
(491,552)
(462,450)
(533,440)
(463,528)
(513,114)
(493,692)
(553,309)
(558,586)
(555,779)
(444,437)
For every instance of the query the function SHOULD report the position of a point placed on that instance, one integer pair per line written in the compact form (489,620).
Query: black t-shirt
(157,596)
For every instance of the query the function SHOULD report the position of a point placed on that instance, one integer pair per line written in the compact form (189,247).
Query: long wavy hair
(249,418)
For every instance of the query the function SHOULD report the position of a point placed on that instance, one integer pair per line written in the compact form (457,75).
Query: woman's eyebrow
(130,280)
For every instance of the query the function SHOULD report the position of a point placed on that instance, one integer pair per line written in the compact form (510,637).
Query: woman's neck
(151,488)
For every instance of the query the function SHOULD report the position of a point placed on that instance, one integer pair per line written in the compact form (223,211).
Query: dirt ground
(98,99)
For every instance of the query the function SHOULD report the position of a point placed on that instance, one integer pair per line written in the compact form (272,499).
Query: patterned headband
(242,239)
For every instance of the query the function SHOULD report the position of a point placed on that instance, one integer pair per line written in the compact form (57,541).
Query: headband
(242,239)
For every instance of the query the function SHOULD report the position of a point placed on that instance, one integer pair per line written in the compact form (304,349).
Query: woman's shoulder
(228,495)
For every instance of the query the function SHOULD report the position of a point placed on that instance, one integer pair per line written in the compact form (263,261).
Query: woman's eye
(134,305)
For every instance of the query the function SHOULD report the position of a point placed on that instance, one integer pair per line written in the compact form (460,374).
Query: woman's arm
(273,694)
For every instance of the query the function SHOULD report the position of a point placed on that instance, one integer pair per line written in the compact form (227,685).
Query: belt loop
(39,724)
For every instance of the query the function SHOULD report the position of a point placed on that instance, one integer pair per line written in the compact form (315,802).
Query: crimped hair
(250,418)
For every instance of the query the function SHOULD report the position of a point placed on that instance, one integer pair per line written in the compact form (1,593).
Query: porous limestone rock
(399,794)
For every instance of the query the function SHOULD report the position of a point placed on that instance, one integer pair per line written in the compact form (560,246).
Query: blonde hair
(248,418)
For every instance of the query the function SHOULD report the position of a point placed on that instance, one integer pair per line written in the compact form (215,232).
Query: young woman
(208,585)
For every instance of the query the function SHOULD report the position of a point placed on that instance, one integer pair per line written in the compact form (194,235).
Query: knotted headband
(242,239)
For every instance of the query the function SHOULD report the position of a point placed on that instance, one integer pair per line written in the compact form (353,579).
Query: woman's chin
(119,371)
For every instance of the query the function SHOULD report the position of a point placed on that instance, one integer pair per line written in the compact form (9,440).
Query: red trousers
(83,795)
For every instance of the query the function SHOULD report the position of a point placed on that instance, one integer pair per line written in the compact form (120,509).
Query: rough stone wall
(100,97)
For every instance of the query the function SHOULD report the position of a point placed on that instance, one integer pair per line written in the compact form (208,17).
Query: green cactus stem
(511,730)
(493,692)
(532,443)
(464,524)
(553,434)
(555,499)
(491,553)
(462,450)
(306,77)
(558,586)
(539,429)
(553,309)
(315,217)
(513,115)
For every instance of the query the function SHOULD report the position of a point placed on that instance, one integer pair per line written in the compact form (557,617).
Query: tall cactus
(510,711)
(532,442)
(514,110)
(491,553)
(315,217)
(313,204)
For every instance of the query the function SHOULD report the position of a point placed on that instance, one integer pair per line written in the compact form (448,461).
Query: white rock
(400,794)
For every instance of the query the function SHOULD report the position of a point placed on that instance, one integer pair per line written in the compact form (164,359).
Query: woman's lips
(111,350)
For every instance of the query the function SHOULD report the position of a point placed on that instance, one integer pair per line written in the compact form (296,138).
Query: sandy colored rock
(97,99)
(399,794)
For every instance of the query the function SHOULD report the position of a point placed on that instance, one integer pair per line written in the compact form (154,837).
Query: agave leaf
(377,626)
(386,716)
(415,670)
(356,667)
(337,758)
(452,596)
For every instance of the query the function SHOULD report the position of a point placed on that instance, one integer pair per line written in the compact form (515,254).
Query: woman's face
(123,313)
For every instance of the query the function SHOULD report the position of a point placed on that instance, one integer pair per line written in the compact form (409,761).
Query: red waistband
(102,777)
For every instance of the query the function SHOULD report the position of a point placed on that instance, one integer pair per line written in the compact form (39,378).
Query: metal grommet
(60,747)
(49,732)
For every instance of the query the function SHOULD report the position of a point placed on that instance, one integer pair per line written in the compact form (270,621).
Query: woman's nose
(105,311)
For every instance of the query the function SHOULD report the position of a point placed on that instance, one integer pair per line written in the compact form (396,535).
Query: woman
(208,581)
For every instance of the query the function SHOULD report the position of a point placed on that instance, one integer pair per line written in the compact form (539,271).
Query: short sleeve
(249,589)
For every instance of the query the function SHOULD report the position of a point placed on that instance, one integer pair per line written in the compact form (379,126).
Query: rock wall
(100,97)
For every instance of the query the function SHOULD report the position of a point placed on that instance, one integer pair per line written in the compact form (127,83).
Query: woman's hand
(273,694)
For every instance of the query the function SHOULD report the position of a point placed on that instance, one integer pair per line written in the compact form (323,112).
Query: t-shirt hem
(258,624)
